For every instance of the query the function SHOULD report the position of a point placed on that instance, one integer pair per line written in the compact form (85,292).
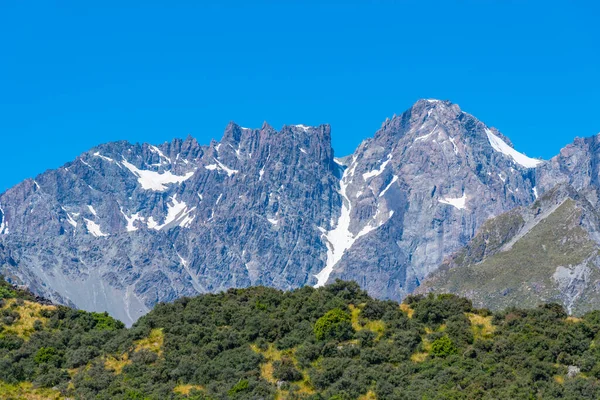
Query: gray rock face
(428,179)
(577,164)
(125,226)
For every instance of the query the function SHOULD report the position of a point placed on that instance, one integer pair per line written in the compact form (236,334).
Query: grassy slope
(522,276)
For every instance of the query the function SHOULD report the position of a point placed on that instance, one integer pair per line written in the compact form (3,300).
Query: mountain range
(435,201)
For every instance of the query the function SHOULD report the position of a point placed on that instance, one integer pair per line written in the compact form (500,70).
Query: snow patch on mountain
(152,180)
(459,203)
(394,179)
(97,154)
(94,228)
(229,171)
(340,239)
(420,138)
(178,214)
(303,127)
(3,224)
(131,221)
(453,145)
(70,219)
(156,150)
(84,163)
(500,146)
(221,167)
(378,171)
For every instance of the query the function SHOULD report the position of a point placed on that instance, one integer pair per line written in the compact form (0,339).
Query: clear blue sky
(73,74)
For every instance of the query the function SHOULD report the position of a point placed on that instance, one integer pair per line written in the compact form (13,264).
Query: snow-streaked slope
(378,171)
(340,238)
(3,225)
(219,166)
(177,214)
(394,179)
(152,180)
(500,146)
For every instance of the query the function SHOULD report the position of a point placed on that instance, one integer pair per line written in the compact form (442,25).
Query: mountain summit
(418,190)
(125,226)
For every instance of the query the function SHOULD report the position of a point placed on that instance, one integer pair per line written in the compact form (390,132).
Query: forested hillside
(333,342)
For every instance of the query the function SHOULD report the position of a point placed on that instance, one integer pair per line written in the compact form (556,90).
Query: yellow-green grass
(370,395)
(271,354)
(29,312)
(185,390)
(481,326)
(376,326)
(407,309)
(426,345)
(26,391)
(419,356)
(117,364)
(154,342)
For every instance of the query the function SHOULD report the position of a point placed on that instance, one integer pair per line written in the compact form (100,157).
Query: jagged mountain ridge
(125,226)
(125,221)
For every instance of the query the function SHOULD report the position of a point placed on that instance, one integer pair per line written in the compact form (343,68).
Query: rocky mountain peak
(267,128)
(423,184)
(439,121)
(233,133)
(427,118)
(439,107)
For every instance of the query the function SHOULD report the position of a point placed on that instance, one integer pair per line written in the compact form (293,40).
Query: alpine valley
(434,201)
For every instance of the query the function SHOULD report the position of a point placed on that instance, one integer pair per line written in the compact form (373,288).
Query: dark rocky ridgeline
(125,226)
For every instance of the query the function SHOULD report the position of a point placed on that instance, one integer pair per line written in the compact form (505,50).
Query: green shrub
(335,324)
(239,387)
(285,370)
(106,322)
(6,293)
(45,354)
(443,347)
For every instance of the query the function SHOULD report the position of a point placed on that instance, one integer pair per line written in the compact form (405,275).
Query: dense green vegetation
(328,343)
